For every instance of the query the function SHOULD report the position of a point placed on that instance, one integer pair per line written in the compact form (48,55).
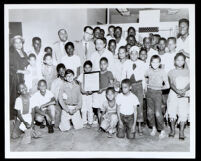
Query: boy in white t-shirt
(126,111)
(44,103)
(87,110)
(71,61)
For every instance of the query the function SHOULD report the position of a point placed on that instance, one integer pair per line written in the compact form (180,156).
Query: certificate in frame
(91,81)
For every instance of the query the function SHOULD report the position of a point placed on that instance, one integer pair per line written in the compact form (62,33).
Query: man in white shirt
(70,60)
(120,41)
(85,47)
(100,44)
(58,46)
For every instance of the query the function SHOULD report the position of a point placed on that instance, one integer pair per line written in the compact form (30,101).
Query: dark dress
(16,62)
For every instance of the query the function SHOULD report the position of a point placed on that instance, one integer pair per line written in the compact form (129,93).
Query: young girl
(109,117)
(25,114)
(157,80)
(33,75)
(177,103)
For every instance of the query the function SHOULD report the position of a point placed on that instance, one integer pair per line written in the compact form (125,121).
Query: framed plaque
(91,81)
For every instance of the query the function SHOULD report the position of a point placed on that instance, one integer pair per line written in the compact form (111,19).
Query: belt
(72,104)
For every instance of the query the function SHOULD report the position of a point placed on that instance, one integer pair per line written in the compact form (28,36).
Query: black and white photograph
(99,80)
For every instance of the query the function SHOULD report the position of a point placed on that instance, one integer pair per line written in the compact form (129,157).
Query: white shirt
(95,59)
(150,53)
(37,99)
(122,42)
(34,74)
(167,60)
(183,44)
(72,63)
(19,105)
(127,103)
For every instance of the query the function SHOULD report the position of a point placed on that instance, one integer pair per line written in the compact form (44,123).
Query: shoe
(109,135)
(88,126)
(153,132)
(50,129)
(95,122)
(162,134)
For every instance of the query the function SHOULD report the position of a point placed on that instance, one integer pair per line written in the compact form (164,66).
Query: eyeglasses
(89,33)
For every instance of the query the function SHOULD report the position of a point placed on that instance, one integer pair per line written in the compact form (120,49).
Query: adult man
(58,46)
(85,47)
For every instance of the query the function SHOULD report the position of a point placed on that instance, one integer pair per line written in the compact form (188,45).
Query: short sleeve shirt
(105,79)
(19,105)
(55,87)
(37,99)
(127,103)
(108,109)
(179,77)
(72,63)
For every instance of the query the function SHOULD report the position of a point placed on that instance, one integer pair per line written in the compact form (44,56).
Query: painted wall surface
(45,23)
(96,15)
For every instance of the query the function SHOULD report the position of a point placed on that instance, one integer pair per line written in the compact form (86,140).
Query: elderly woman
(18,63)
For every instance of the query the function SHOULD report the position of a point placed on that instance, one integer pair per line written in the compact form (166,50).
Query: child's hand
(28,126)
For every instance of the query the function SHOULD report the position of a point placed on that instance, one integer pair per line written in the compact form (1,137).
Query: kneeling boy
(44,103)
(70,100)
(127,104)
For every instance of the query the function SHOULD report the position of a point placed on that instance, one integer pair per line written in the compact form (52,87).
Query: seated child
(87,111)
(48,70)
(33,75)
(106,80)
(177,103)
(109,117)
(55,88)
(44,103)
(127,104)
(70,99)
(25,114)
(157,81)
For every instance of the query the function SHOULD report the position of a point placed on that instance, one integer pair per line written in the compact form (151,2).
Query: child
(168,59)
(71,61)
(177,102)
(128,46)
(33,75)
(110,34)
(112,47)
(143,54)
(44,103)
(48,50)
(102,33)
(109,117)
(70,99)
(97,33)
(161,47)
(135,71)
(127,104)
(120,63)
(25,114)
(157,80)
(155,41)
(87,111)
(49,70)
(106,80)
(55,88)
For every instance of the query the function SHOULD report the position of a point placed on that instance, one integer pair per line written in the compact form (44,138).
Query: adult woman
(18,62)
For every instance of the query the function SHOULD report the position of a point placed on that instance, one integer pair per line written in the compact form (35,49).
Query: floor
(92,140)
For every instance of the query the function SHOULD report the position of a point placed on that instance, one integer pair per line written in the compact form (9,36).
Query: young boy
(49,70)
(143,54)
(134,70)
(44,103)
(70,99)
(128,46)
(48,50)
(87,111)
(127,104)
(109,117)
(155,41)
(161,47)
(71,61)
(25,113)
(55,88)
(106,80)
(112,47)
(33,74)
(110,34)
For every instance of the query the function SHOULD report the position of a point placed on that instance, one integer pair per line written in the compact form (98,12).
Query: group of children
(153,71)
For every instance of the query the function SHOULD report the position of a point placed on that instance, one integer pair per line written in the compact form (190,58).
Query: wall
(115,19)
(45,23)
(96,15)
